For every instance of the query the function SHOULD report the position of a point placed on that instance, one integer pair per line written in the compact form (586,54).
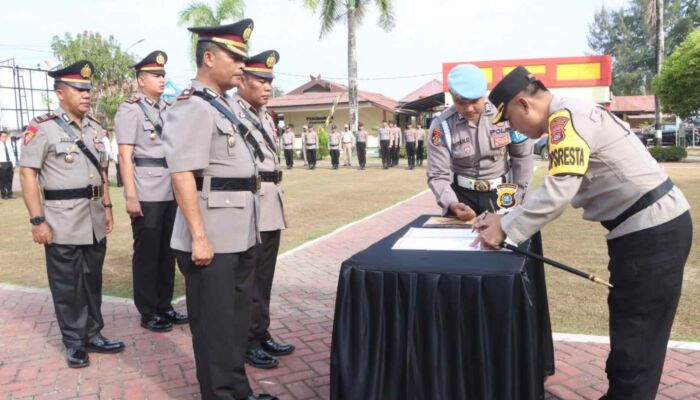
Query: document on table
(443,239)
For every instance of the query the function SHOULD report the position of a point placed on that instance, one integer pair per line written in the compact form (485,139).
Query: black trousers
(119,175)
(75,280)
(335,157)
(411,153)
(218,304)
(395,155)
(266,253)
(646,268)
(311,157)
(385,150)
(362,153)
(478,201)
(153,262)
(289,157)
(6,175)
(419,152)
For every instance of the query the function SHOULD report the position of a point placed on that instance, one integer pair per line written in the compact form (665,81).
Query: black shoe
(276,349)
(156,324)
(261,396)
(258,358)
(175,317)
(100,344)
(77,357)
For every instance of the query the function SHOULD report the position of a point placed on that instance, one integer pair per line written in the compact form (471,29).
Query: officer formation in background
(202,182)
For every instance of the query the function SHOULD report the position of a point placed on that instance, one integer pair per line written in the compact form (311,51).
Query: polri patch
(569,153)
(29,134)
(436,137)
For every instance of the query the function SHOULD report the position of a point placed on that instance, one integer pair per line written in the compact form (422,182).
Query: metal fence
(25,93)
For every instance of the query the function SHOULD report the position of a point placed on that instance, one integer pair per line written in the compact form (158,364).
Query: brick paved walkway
(161,366)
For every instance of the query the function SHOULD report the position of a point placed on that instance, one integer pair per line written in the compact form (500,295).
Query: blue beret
(467,81)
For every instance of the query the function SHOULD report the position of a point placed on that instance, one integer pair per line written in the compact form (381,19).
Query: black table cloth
(413,324)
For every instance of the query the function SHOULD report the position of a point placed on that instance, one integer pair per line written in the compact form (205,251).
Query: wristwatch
(37,220)
(107,205)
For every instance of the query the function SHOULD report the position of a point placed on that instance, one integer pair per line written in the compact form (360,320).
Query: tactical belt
(275,177)
(479,185)
(150,162)
(251,184)
(645,201)
(88,192)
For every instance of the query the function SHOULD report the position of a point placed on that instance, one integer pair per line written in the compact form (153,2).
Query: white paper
(442,239)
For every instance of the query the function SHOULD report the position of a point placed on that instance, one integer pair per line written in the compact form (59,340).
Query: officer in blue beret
(475,165)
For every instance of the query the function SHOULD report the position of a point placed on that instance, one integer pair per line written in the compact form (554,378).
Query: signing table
(415,324)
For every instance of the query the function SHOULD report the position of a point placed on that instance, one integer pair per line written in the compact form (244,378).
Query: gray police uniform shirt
(334,140)
(597,164)
(197,138)
(271,204)
(384,134)
(311,140)
(132,127)
(362,136)
(476,151)
(420,135)
(395,134)
(410,135)
(62,165)
(288,140)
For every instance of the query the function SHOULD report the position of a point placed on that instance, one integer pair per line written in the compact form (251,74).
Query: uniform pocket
(147,172)
(67,154)
(61,204)
(227,199)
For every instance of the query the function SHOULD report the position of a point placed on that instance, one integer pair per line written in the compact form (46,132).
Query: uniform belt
(275,177)
(645,201)
(251,184)
(88,192)
(479,185)
(150,162)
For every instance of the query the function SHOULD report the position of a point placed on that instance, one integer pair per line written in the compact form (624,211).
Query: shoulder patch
(186,94)
(436,137)
(517,137)
(45,117)
(133,99)
(569,153)
(29,133)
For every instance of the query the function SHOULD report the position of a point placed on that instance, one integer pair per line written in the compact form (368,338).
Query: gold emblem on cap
(271,60)
(247,32)
(160,59)
(86,71)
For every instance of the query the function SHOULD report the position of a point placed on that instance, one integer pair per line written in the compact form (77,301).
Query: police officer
(410,146)
(396,141)
(304,130)
(254,92)
(65,150)
(311,143)
(464,140)
(348,144)
(149,196)
(384,142)
(598,164)
(334,140)
(420,139)
(362,146)
(212,160)
(287,142)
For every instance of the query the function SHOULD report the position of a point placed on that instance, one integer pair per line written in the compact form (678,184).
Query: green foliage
(202,14)
(112,78)
(678,85)
(626,35)
(333,11)
(322,142)
(672,153)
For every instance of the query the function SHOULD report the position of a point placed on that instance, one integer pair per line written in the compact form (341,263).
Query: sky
(426,34)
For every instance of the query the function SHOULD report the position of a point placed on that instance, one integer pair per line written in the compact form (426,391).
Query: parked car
(541,147)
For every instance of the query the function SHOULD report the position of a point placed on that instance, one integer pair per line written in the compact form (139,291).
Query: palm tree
(655,22)
(352,12)
(201,14)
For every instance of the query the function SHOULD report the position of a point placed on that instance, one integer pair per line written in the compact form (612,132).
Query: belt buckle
(94,191)
(482,185)
(279,177)
(258,183)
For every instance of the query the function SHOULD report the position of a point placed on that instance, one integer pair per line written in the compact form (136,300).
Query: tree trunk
(352,68)
(659,62)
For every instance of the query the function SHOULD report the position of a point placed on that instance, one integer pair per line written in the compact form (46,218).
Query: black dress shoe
(276,349)
(156,324)
(100,344)
(259,358)
(175,317)
(77,357)
(261,396)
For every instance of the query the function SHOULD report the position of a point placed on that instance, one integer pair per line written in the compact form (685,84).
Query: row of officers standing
(202,186)
(390,138)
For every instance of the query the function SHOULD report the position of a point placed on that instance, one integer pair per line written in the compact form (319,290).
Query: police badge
(506,195)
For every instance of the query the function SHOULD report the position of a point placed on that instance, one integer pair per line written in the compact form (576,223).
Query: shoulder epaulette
(186,94)
(46,117)
(133,99)
(93,119)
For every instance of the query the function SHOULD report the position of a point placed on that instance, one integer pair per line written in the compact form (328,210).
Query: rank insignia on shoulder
(133,99)
(436,137)
(66,118)
(92,118)
(506,195)
(210,93)
(186,94)
(29,133)
(45,117)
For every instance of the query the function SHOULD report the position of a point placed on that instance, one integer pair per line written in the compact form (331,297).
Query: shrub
(322,142)
(672,153)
